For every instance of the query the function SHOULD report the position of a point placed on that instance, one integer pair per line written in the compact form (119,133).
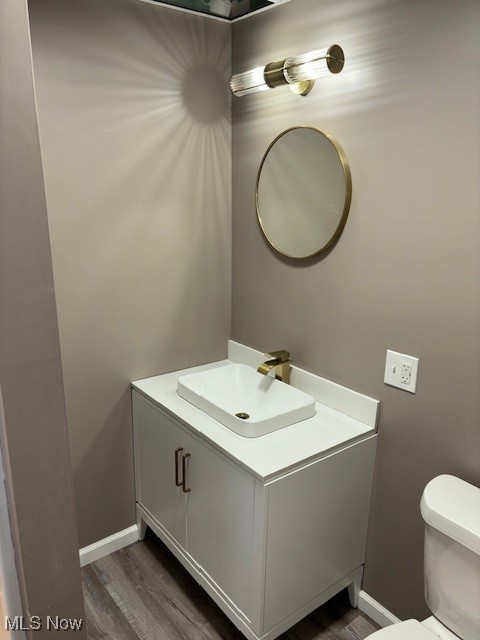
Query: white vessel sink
(244,400)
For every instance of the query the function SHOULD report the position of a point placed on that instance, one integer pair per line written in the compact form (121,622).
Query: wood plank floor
(143,593)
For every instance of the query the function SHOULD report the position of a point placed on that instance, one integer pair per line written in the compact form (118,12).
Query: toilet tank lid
(452,506)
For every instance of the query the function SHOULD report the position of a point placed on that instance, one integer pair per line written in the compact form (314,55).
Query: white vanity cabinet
(157,438)
(269,532)
(220,513)
(210,516)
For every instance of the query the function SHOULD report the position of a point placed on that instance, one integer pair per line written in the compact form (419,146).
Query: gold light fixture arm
(273,74)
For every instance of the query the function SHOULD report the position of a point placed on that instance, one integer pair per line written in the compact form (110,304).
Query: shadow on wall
(134,109)
(204,93)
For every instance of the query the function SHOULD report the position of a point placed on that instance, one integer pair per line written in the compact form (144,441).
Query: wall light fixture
(299,72)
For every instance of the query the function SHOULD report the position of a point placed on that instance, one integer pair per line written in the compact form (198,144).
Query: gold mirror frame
(348,191)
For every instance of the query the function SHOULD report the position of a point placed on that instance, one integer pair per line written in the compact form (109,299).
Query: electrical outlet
(406,374)
(401,371)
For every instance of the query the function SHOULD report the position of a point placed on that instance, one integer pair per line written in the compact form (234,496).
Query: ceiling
(227,9)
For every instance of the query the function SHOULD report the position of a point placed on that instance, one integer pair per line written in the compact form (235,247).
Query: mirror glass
(304,191)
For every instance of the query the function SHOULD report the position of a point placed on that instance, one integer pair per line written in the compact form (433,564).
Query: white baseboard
(108,545)
(376,611)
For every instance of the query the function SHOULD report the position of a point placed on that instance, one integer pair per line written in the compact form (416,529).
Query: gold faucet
(280,361)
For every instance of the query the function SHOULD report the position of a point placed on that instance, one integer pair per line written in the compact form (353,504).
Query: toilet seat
(408,630)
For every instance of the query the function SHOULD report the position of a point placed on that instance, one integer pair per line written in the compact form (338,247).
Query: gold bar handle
(184,473)
(177,481)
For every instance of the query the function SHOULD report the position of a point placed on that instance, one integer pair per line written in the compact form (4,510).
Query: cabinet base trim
(374,610)
(108,545)
(219,597)
(311,606)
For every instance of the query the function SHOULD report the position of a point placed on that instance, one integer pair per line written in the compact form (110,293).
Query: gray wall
(404,274)
(32,419)
(134,113)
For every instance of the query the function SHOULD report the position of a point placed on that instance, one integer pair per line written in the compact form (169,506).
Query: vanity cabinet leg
(142,527)
(355,586)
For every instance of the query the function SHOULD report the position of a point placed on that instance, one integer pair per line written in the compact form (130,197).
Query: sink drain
(242,416)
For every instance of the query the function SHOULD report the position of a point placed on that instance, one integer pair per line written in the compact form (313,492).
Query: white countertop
(270,455)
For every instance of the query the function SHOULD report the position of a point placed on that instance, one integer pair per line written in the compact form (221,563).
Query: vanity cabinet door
(157,439)
(220,521)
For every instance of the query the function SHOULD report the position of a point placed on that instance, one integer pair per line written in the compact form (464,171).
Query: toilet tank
(451,510)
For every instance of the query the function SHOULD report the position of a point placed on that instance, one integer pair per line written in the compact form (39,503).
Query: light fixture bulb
(250,81)
(314,64)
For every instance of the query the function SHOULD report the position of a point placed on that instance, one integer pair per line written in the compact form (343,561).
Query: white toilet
(451,510)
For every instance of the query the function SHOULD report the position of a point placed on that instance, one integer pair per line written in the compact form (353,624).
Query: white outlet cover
(393,371)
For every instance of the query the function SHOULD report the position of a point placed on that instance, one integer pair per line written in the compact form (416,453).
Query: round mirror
(304,189)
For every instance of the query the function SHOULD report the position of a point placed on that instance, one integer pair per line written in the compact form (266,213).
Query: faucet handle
(282,355)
